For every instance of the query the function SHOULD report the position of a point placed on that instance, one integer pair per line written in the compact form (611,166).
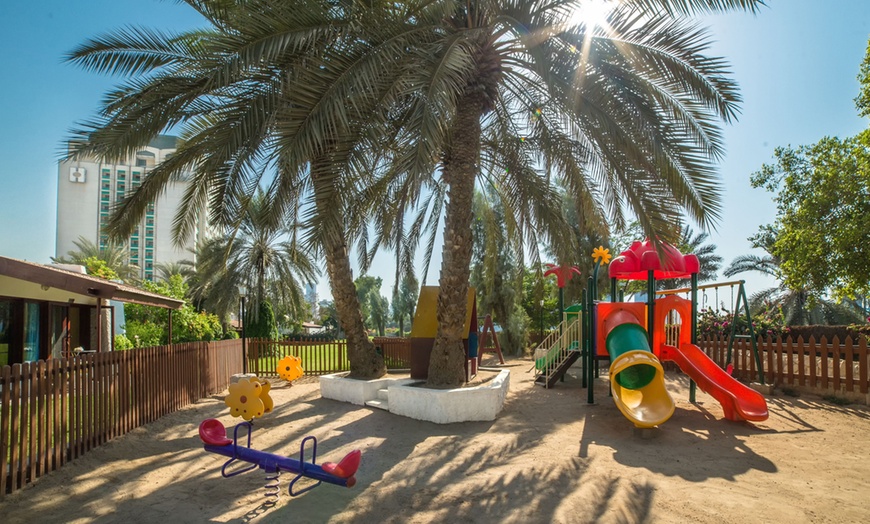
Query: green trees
(798,305)
(404,302)
(823,209)
(260,255)
(148,326)
(823,214)
(375,307)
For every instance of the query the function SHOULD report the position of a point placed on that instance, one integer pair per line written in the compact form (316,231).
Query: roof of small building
(81,284)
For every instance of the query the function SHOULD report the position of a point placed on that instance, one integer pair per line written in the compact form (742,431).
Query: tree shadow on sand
(694,444)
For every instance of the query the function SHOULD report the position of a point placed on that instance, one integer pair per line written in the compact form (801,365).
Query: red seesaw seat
(346,468)
(212,432)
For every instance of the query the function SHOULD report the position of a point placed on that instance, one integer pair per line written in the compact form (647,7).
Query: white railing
(557,347)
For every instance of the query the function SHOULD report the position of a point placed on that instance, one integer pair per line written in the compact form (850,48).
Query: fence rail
(57,410)
(319,357)
(821,366)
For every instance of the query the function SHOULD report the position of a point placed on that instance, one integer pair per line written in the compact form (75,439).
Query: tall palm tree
(625,113)
(247,98)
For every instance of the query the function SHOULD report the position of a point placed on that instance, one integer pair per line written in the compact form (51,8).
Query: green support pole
(561,307)
(590,395)
(595,297)
(741,292)
(694,326)
(613,290)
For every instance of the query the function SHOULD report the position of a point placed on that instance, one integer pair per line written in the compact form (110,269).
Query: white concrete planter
(444,406)
(338,387)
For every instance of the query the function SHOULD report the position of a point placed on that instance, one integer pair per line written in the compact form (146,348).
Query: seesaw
(214,436)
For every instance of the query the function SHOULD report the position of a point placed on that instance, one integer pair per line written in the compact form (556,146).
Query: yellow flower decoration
(290,368)
(268,404)
(244,399)
(602,254)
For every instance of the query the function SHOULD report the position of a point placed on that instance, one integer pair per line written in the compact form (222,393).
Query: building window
(104,208)
(149,233)
(122,175)
(31,332)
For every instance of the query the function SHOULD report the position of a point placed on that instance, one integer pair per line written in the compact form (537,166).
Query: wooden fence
(319,357)
(55,411)
(822,367)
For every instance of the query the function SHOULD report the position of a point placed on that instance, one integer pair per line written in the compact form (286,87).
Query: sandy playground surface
(549,457)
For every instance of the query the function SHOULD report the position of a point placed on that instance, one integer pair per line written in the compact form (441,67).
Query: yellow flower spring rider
(249,398)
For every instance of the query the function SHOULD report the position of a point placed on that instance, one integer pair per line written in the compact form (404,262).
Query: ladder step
(742,336)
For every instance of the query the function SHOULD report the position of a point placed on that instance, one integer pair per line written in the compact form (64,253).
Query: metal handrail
(558,348)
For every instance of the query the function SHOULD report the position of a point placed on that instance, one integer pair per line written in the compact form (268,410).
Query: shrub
(122,343)
(767,322)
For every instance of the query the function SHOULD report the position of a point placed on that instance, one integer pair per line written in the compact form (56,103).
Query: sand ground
(549,457)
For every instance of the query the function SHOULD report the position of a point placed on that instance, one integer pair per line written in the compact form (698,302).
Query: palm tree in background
(114,254)
(260,256)
(799,306)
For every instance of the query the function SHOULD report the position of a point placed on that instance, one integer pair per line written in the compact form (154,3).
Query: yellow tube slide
(647,406)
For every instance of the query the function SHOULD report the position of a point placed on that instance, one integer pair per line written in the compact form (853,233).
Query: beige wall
(13,287)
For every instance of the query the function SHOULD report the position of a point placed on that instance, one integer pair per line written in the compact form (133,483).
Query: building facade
(88,190)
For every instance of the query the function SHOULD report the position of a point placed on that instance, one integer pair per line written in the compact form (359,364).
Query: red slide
(738,401)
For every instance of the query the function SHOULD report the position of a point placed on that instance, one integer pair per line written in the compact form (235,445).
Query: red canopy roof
(641,257)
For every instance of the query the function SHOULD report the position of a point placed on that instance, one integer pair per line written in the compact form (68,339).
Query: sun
(593,13)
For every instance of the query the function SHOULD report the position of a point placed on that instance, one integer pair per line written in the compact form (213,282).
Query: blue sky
(796,63)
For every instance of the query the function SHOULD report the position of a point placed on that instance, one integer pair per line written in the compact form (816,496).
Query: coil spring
(272,487)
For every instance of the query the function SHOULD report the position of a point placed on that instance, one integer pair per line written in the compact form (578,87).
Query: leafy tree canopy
(148,326)
(823,214)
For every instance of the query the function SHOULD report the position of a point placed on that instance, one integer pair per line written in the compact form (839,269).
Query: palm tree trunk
(447,361)
(365,362)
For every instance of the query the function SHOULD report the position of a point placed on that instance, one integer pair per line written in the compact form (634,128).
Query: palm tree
(245,94)
(260,256)
(115,256)
(694,243)
(625,114)
(185,269)
(799,306)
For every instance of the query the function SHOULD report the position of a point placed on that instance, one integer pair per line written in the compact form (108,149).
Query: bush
(122,343)
(767,322)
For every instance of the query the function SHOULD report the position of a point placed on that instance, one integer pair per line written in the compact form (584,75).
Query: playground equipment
(425,327)
(214,437)
(634,338)
(249,398)
(290,368)
(489,336)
